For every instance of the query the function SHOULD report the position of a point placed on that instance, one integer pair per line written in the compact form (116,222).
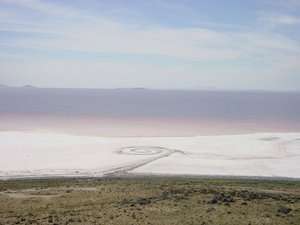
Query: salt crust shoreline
(46,155)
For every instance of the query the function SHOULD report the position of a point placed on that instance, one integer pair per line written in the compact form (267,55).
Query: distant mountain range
(28,86)
(25,86)
(31,86)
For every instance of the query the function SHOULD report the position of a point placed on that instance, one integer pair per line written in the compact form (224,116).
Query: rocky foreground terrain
(149,201)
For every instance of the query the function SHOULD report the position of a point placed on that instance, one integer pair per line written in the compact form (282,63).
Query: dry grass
(149,201)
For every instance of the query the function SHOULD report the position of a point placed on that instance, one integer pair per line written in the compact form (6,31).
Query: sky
(160,44)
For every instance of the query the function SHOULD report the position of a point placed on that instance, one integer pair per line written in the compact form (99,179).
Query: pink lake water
(144,112)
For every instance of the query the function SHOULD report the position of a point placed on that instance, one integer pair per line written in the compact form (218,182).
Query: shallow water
(130,112)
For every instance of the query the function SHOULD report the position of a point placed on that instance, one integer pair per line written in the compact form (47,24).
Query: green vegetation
(155,200)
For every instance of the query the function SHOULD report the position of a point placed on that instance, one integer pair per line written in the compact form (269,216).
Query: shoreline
(271,156)
(153,176)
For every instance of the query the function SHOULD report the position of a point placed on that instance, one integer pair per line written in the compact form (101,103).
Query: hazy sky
(186,44)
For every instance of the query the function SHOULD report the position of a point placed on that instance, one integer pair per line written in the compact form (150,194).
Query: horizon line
(28,86)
